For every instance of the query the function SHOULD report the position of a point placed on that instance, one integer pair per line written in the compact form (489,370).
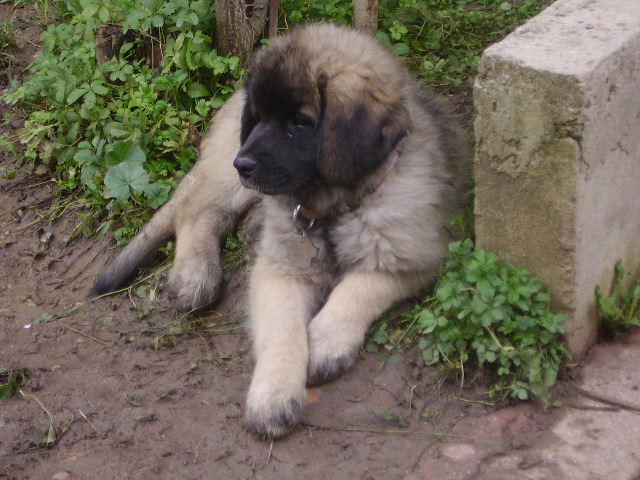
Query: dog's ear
(248,120)
(362,122)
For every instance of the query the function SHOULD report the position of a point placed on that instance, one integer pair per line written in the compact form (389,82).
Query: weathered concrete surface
(596,436)
(558,151)
(593,440)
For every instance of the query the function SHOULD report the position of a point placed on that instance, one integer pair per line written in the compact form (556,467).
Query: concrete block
(558,151)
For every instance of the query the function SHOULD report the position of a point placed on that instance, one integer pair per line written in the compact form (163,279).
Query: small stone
(61,476)
(41,169)
(460,452)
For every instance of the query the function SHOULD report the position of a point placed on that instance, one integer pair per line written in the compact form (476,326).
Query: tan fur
(308,322)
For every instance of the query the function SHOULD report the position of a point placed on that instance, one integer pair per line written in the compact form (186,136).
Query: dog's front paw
(194,283)
(329,355)
(270,413)
(327,368)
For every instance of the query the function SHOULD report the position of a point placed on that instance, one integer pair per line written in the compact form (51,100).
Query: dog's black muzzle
(245,166)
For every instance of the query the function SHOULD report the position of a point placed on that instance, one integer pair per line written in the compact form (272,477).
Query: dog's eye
(301,121)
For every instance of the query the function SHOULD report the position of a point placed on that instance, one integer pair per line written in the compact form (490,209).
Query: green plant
(7,35)
(302,11)
(622,306)
(443,39)
(234,254)
(121,131)
(493,315)
(11,381)
(7,42)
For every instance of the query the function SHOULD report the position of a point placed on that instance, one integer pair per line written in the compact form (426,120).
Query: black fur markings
(328,369)
(284,159)
(275,421)
(353,145)
(279,153)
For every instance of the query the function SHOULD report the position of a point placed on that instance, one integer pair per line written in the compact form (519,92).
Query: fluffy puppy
(359,174)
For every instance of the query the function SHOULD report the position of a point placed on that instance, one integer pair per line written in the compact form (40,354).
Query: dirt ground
(125,387)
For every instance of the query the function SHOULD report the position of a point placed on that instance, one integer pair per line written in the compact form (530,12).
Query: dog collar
(298,223)
(303,218)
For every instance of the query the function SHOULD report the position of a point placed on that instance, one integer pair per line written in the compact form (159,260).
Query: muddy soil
(125,387)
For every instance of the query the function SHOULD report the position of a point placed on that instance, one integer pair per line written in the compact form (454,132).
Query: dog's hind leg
(196,275)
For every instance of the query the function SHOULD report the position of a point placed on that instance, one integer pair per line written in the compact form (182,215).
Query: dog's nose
(245,166)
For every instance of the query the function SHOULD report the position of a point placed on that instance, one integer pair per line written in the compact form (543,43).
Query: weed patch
(488,314)
(121,130)
(11,381)
(621,308)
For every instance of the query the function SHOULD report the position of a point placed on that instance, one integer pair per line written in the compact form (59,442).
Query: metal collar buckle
(302,231)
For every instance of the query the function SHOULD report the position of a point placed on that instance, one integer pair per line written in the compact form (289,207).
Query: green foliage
(491,315)
(7,35)
(303,11)
(622,306)
(121,132)
(442,40)
(7,42)
(234,254)
(12,380)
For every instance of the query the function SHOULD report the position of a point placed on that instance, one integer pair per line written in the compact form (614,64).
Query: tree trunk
(365,15)
(274,5)
(238,27)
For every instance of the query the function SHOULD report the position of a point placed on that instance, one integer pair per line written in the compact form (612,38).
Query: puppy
(359,174)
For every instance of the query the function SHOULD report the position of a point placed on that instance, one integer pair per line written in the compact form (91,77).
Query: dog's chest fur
(310,252)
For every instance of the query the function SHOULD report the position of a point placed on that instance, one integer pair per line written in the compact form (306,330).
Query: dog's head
(311,118)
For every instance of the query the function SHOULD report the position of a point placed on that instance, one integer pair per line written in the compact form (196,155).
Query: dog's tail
(138,252)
